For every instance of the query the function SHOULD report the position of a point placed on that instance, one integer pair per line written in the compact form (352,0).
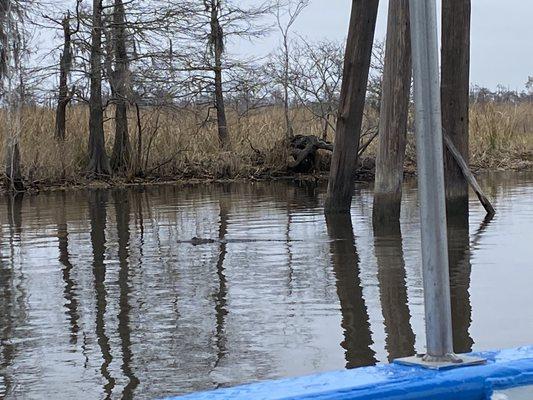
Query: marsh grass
(183,144)
(501,135)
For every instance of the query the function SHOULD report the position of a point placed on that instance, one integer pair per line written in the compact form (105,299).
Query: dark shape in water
(122,211)
(69,293)
(400,340)
(460,271)
(221,310)
(196,241)
(98,215)
(355,320)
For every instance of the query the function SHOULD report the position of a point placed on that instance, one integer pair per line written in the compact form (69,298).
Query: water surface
(100,297)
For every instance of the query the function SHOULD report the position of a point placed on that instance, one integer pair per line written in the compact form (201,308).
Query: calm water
(100,299)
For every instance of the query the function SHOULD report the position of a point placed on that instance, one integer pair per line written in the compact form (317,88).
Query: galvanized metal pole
(429,143)
(424,37)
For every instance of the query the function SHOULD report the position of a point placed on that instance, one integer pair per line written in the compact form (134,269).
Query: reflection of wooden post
(455,93)
(460,270)
(400,340)
(355,321)
(394,114)
(352,103)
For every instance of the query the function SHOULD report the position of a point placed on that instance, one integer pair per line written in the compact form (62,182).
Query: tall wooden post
(394,114)
(455,95)
(352,103)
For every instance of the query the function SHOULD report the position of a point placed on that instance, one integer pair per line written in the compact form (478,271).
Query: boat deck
(504,370)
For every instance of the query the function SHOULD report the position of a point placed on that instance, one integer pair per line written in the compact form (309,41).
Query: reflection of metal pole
(431,184)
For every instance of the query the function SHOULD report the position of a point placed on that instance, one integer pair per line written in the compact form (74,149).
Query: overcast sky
(502,36)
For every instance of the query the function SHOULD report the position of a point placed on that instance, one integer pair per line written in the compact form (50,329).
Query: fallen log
(469,176)
(304,149)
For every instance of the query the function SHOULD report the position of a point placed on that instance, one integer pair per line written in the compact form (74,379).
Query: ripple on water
(100,298)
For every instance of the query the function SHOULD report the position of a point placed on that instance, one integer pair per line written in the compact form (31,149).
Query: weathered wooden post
(393,115)
(455,97)
(352,103)
(431,190)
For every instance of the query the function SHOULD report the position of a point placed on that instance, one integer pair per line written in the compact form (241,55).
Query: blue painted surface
(504,369)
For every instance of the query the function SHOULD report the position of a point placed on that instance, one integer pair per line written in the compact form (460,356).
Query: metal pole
(430,165)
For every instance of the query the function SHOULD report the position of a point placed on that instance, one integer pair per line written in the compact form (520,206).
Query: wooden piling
(352,103)
(455,95)
(393,115)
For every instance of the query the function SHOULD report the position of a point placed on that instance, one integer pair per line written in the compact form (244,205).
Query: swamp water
(102,294)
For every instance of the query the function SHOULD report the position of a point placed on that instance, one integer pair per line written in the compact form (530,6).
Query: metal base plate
(462,361)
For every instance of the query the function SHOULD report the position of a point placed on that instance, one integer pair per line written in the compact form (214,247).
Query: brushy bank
(182,144)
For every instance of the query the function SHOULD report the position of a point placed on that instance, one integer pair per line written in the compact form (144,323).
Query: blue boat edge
(504,369)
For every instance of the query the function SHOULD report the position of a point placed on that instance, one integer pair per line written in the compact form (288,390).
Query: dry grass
(181,144)
(175,144)
(501,135)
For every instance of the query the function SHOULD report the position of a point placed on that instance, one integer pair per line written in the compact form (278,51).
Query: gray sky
(502,33)
(502,36)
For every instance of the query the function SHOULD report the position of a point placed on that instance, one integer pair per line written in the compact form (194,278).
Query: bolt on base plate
(450,361)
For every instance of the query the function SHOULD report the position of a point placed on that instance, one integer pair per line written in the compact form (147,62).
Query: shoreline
(362,176)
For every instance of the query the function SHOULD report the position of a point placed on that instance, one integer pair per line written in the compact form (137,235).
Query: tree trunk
(98,161)
(13,169)
(64,71)
(120,159)
(217,38)
(288,125)
(352,103)
(455,94)
(393,114)
(10,76)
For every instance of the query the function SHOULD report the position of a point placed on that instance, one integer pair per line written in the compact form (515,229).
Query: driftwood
(469,176)
(304,151)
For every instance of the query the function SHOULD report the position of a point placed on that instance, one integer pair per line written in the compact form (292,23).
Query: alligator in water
(196,241)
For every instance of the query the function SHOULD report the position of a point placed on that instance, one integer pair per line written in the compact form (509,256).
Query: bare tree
(287,12)
(11,51)
(98,161)
(315,77)
(216,44)
(120,86)
(65,94)
(211,27)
